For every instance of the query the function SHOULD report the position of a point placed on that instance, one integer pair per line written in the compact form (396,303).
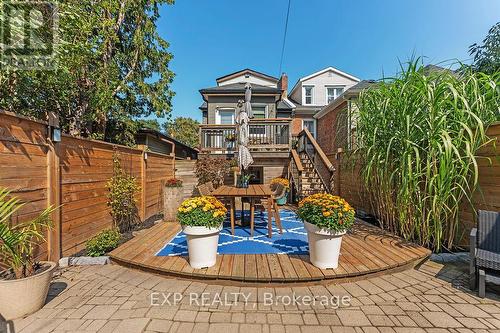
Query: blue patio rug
(292,241)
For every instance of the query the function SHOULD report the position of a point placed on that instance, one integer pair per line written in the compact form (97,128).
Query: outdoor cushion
(488,259)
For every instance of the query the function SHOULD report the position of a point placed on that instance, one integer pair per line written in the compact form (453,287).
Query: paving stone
(441,319)
(101,312)
(470,310)
(471,323)
(250,328)
(256,318)
(223,328)
(380,320)
(328,319)
(315,329)
(185,315)
(353,318)
(132,325)
(292,319)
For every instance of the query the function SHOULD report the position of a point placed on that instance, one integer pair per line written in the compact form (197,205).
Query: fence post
(338,170)
(144,157)
(54,195)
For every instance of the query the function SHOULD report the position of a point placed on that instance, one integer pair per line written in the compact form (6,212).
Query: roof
(203,106)
(164,136)
(240,88)
(283,106)
(247,70)
(333,69)
(353,91)
(428,69)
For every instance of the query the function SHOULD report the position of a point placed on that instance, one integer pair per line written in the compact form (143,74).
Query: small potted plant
(201,219)
(172,198)
(25,284)
(243,180)
(282,199)
(326,218)
(230,139)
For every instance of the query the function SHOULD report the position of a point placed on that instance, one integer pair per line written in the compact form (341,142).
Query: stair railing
(295,169)
(322,165)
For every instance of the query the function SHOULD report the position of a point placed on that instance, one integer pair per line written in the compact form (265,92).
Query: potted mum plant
(25,284)
(326,218)
(201,219)
(172,198)
(283,197)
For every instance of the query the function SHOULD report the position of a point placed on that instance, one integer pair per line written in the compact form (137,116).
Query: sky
(365,38)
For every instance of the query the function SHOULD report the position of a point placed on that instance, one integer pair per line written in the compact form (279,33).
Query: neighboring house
(311,93)
(271,130)
(270,136)
(336,122)
(161,143)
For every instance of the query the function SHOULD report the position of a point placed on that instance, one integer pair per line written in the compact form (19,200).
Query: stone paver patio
(111,298)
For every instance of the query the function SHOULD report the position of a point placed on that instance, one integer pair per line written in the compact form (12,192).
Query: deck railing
(264,135)
(322,164)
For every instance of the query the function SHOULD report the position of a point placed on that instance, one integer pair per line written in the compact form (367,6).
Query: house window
(308,94)
(226,116)
(258,174)
(310,124)
(332,93)
(259,112)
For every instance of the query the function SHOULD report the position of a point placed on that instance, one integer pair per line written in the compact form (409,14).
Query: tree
(113,67)
(184,129)
(487,56)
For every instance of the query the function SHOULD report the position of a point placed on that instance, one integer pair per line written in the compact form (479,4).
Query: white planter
(324,246)
(202,245)
(21,297)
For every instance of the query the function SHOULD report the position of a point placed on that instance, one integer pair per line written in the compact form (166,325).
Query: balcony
(266,135)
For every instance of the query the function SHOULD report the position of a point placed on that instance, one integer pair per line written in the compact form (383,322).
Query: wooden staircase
(309,169)
(311,180)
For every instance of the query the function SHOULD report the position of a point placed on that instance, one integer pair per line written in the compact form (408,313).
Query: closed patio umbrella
(244,157)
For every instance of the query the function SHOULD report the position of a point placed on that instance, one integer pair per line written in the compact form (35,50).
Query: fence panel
(74,174)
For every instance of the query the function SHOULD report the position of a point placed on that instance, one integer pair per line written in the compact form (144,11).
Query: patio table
(253,191)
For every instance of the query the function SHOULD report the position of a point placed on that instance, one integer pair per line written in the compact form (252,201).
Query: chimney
(283,85)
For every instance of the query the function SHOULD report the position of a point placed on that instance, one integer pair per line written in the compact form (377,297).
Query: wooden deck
(366,251)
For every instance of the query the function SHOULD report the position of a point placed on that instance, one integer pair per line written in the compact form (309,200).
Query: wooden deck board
(365,250)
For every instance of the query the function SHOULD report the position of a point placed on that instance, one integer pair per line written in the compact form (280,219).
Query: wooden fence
(72,175)
(487,197)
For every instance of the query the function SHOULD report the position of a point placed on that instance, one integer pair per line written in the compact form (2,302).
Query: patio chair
(262,204)
(485,251)
(279,191)
(204,189)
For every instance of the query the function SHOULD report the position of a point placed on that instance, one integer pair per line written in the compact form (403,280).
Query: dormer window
(308,95)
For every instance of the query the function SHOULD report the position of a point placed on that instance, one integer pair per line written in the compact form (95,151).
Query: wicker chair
(485,251)
(279,191)
(262,205)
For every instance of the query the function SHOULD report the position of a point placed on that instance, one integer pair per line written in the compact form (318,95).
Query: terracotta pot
(172,199)
(324,246)
(22,297)
(202,245)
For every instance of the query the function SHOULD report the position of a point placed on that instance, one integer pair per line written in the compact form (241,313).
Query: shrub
(103,242)
(326,211)
(18,241)
(121,197)
(203,211)
(418,135)
(212,169)
(173,182)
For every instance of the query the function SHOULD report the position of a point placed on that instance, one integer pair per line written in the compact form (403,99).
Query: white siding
(320,82)
(252,79)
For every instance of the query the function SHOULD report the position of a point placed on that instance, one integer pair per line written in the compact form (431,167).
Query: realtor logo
(28,35)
